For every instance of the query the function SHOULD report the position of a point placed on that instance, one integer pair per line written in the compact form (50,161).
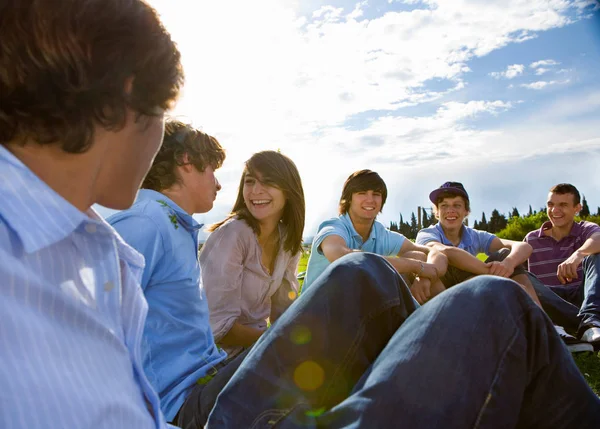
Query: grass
(588,363)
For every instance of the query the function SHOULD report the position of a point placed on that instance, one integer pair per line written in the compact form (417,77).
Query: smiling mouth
(260,203)
(451,218)
(369,208)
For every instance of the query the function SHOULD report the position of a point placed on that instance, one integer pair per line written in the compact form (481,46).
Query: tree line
(513,226)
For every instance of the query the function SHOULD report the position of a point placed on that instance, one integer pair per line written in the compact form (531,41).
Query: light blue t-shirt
(381,241)
(178,345)
(472,240)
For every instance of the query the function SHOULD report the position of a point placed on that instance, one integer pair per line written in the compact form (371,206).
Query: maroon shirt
(548,253)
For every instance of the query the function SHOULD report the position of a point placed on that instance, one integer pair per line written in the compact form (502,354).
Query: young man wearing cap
(461,244)
(357,230)
(566,259)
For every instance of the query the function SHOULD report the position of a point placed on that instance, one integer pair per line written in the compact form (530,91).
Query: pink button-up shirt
(238,287)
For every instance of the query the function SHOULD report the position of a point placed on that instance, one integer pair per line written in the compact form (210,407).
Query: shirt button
(90,227)
(108,286)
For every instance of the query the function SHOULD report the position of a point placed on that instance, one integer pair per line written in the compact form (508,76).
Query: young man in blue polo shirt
(357,230)
(178,347)
(461,244)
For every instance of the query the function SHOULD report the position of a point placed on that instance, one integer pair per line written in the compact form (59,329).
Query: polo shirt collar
(575,229)
(183,218)
(37,214)
(465,238)
(346,219)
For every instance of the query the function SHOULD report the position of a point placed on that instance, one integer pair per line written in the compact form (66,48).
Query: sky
(501,95)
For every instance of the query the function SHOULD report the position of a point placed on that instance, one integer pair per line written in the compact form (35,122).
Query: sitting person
(461,244)
(249,261)
(357,230)
(178,346)
(84,85)
(566,260)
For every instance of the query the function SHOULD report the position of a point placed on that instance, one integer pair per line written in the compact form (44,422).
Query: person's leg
(590,308)
(201,399)
(483,355)
(562,312)
(321,346)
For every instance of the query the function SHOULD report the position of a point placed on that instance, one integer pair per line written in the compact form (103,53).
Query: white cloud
(260,76)
(511,72)
(541,84)
(543,63)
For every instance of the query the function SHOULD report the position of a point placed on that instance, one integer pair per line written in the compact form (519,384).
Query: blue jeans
(356,351)
(576,309)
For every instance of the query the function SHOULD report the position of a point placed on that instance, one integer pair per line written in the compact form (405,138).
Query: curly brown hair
(67,67)
(180,139)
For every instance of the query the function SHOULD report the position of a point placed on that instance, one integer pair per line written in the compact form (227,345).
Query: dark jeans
(455,275)
(354,351)
(576,309)
(201,400)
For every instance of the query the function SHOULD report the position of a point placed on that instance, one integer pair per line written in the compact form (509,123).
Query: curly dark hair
(69,66)
(362,180)
(180,139)
(279,171)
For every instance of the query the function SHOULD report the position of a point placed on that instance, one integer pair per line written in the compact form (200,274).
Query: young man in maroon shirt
(566,260)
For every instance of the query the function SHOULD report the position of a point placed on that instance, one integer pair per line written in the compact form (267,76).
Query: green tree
(530,212)
(483,225)
(585,210)
(518,227)
(515,212)
(497,222)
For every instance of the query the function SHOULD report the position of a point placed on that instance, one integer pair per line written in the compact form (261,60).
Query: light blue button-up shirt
(178,345)
(71,314)
(381,241)
(472,240)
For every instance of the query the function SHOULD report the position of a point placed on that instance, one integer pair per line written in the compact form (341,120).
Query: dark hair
(449,194)
(279,171)
(69,66)
(181,139)
(362,180)
(567,188)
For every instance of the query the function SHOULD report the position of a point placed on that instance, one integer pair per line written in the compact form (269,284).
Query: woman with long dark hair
(249,261)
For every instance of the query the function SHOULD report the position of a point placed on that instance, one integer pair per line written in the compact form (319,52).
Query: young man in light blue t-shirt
(357,230)
(461,244)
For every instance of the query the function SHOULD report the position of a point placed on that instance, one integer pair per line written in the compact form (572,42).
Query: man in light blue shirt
(180,354)
(461,244)
(356,229)
(73,114)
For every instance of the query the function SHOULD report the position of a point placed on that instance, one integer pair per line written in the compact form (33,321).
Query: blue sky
(502,95)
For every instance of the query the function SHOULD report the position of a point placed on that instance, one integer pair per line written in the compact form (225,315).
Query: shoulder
(381,229)
(532,235)
(234,228)
(428,234)
(145,212)
(334,222)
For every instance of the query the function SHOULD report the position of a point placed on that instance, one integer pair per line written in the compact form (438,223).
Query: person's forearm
(240,335)
(336,253)
(438,260)
(404,265)
(465,261)
(519,253)
(591,246)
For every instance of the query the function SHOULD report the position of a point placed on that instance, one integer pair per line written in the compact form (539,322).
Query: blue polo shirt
(381,241)
(178,346)
(472,240)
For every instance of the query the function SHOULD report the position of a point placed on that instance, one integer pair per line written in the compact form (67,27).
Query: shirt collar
(465,237)
(575,229)
(37,214)
(183,218)
(346,219)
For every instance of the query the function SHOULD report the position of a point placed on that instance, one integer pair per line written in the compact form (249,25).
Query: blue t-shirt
(381,241)
(178,346)
(472,240)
